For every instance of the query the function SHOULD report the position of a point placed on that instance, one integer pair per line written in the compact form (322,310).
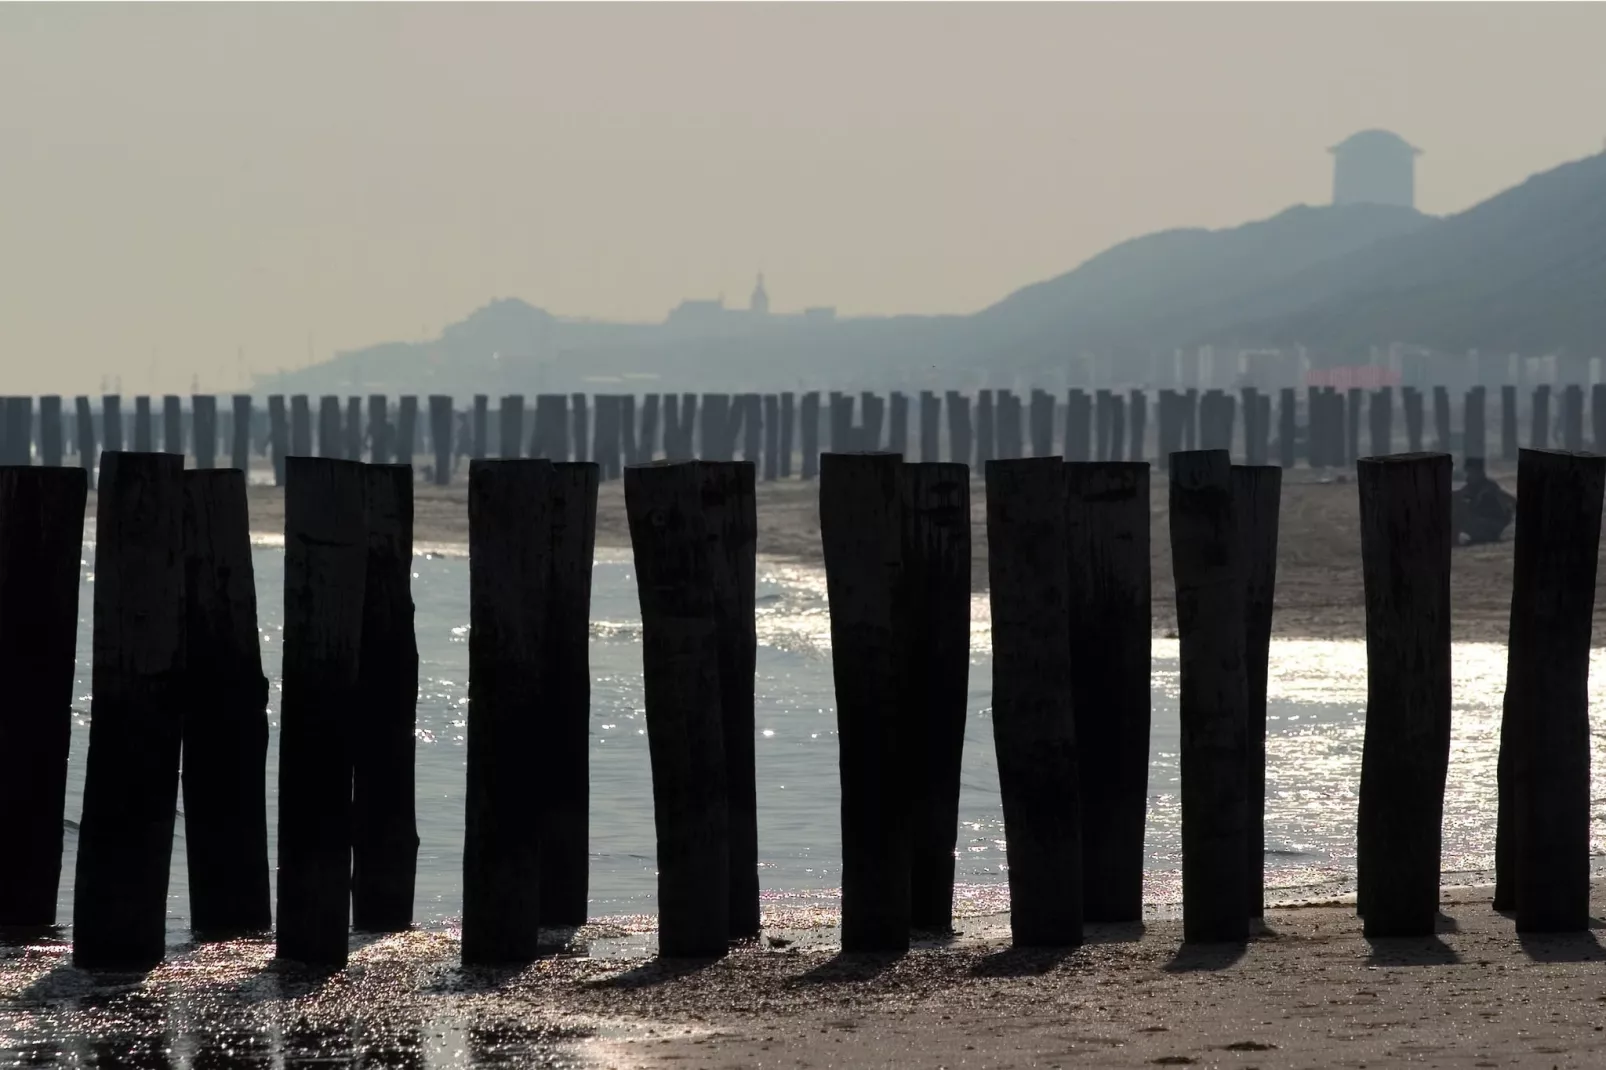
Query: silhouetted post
(1540,437)
(1169,435)
(1256,493)
(440,436)
(125,837)
(605,439)
(752,408)
(512,427)
(86,437)
(1287,427)
(1572,417)
(960,447)
(480,439)
(1041,418)
(566,698)
(353,429)
(898,422)
(1315,427)
(1542,847)
(625,413)
(1034,729)
(325,576)
(809,427)
(672,426)
(510,577)
(580,426)
(1473,439)
(1077,415)
(51,439)
(1254,433)
(685,731)
(1381,413)
(1508,424)
(173,424)
(241,446)
(772,438)
(986,436)
(647,437)
(1107,557)
(1117,427)
(1206,556)
(1137,424)
(1101,425)
(717,441)
(111,423)
(300,427)
(203,411)
(331,441)
(1413,420)
(935,603)
(1405,556)
(143,440)
(41,545)
(788,418)
(1352,412)
(1597,415)
(861,531)
(550,436)
(278,436)
(225,712)
(1189,400)
(869,433)
(731,523)
(1441,419)
(384,830)
(1007,429)
(380,446)
(407,428)
(16,427)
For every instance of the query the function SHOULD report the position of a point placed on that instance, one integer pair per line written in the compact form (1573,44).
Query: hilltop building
(1375,167)
(703,314)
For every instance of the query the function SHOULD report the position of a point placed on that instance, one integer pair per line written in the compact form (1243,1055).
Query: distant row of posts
(179,700)
(785,434)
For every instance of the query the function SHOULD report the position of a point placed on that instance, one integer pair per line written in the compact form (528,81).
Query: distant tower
(1374,167)
(760,304)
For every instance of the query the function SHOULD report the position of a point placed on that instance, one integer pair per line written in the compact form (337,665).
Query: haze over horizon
(184,182)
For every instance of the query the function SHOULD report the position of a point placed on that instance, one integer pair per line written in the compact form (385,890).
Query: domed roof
(1375,140)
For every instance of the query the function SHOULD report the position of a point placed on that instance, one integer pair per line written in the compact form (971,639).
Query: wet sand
(1307,991)
(1319,588)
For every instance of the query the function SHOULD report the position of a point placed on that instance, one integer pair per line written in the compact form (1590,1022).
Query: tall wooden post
(625,413)
(810,434)
(685,731)
(512,428)
(510,578)
(1597,416)
(440,436)
(125,837)
(143,439)
(1287,427)
(1078,408)
(1544,783)
(1101,425)
(331,439)
(41,547)
(1540,415)
(352,429)
(1107,557)
(861,528)
(1473,414)
(1206,556)
(1441,419)
(788,417)
(566,679)
(580,424)
(752,408)
(1413,420)
(111,423)
(225,712)
(173,424)
(325,578)
(1381,414)
(1007,429)
(482,405)
(772,438)
(1405,558)
(898,422)
(407,428)
(961,449)
(87,452)
(871,413)
(605,441)
(935,604)
(1042,422)
(1572,417)
(51,440)
(1137,425)
(278,436)
(203,410)
(381,448)
(550,436)
(1256,494)
(930,426)
(647,436)
(1352,411)
(986,434)
(715,442)
(1117,427)
(1509,436)
(240,448)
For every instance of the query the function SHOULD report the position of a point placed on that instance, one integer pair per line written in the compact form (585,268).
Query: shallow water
(1315,720)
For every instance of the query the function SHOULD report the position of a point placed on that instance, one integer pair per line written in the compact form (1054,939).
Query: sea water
(1315,723)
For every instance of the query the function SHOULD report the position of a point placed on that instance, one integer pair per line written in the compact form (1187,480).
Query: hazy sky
(178,182)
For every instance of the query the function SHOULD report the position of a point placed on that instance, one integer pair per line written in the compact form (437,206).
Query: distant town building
(760,303)
(1375,167)
(700,315)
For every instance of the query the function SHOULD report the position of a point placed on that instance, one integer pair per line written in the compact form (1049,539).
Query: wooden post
(731,524)
(1034,730)
(86,437)
(225,712)
(125,837)
(1597,416)
(1256,493)
(1101,425)
(1413,420)
(1206,556)
(1544,781)
(605,440)
(986,433)
(325,576)
(1473,413)
(331,440)
(41,546)
(1078,409)
(566,701)
(647,438)
(384,835)
(203,409)
(1041,416)
(625,413)
(1107,557)
(960,447)
(898,422)
(381,448)
(935,606)
(772,438)
(579,425)
(51,439)
(510,579)
(300,427)
(143,439)
(861,528)
(1540,415)
(1405,556)
(353,429)
(1007,429)
(440,435)
(550,436)
(512,427)
(1441,419)
(752,406)
(712,445)
(19,430)
(173,424)
(1117,427)
(1137,423)
(1572,417)
(241,447)
(406,441)
(1189,400)
(1287,427)
(685,731)
(672,427)
(111,423)
(1509,436)
(1352,411)
(481,439)
(930,426)
(1315,427)
(788,417)
(870,420)
(1381,414)
(810,434)
(278,436)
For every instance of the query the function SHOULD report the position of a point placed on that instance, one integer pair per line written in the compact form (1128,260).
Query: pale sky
(179,182)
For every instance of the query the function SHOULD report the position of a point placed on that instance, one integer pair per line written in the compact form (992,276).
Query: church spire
(760,303)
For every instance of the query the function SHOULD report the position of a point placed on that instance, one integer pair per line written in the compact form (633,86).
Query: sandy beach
(1319,588)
